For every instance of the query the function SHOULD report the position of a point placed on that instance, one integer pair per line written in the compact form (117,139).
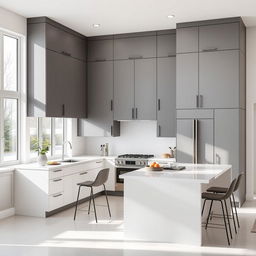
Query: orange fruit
(156,165)
(152,165)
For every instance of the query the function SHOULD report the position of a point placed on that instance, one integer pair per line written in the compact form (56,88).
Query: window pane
(10,129)
(46,130)
(58,136)
(10,63)
(33,134)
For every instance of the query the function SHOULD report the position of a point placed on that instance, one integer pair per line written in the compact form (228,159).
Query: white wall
(136,137)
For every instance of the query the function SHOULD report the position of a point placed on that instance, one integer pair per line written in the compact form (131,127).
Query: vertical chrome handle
(132,113)
(136,113)
(159,130)
(111,105)
(197,101)
(111,130)
(63,109)
(195,141)
(158,104)
(201,101)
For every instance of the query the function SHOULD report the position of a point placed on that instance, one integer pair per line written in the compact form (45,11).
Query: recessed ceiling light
(96,25)
(171,16)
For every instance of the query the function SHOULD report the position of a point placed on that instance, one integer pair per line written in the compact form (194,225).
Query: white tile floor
(60,235)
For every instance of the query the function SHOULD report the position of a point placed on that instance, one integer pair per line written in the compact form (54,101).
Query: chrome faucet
(63,148)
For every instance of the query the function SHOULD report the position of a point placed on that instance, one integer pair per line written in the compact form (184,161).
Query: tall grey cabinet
(56,85)
(210,94)
(100,82)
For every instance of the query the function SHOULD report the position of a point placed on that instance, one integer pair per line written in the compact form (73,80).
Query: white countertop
(200,173)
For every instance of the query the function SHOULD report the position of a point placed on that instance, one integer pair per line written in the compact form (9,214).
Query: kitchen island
(166,206)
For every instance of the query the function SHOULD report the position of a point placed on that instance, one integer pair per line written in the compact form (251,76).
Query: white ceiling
(122,16)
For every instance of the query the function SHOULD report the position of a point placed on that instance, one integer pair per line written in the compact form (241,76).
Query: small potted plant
(42,150)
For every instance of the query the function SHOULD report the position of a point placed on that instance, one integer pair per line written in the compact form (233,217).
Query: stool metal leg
(233,215)
(203,207)
(234,202)
(228,219)
(226,228)
(209,215)
(77,201)
(90,201)
(107,200)
(94,207)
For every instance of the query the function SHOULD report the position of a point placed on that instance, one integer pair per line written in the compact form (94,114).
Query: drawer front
(55,186)
(55,174)
(95,164)
(55,201)
(81,177)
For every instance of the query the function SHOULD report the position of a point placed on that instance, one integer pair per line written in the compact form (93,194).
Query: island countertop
(200,173)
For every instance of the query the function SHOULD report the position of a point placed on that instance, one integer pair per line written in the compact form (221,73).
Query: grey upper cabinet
(187,81)
(135,47)
(187,39)
(166,94)
(145,89)
(219,37)
(219,79)
(124,90)
(100,50)
(63,42)
(99,120)
(166,45)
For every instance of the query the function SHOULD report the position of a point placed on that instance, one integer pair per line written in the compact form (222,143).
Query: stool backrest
(101,178)
(238,181)
(230,189)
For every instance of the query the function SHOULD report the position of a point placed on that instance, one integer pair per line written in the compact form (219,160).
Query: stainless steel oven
(122,170)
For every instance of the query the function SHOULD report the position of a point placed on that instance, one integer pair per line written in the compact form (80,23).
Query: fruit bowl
(154,169)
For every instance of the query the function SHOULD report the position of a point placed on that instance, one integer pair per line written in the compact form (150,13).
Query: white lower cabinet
(56,201)
(68,197)
(6,191)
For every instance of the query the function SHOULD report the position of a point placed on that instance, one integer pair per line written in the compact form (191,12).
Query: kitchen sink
(69,161)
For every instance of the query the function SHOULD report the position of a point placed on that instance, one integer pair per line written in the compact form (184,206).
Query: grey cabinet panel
(187,80)
(135,47)
(145,89)
(184,140)
(219,79)
(166,45)
(123,89)
(205,141)
(195,113)
(99,50)
(187,40)
(219,37)
(166,93)
(63,42)
(100,95)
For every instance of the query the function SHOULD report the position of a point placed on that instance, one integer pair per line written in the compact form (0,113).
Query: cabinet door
(219,37)
(219,79)
(185,141)
(57,82)
(123,90)
(100,50)
(187,39)
(100,95)
(6,191)
(68,194)
(145,89)
(166,93)
(166,45)
(227,138)
(187,80)
(75,96)
(135,47)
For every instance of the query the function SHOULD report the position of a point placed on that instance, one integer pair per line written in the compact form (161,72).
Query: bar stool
(222,199)
(223,190)
(100,180)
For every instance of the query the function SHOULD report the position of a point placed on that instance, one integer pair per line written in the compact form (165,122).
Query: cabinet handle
(201,101)
(159,130)
(57,195)
(132,113)
(66,53)
(210,50)
(63,109)
(136,113)
(56,180)
(111,130)
(111,105)
(99,162)
(57,170)
(135,57)
(158,104)
(98,60)
(83,173)
(197,101)
(171,55)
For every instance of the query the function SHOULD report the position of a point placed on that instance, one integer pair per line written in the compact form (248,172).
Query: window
(9,97)
(48,129)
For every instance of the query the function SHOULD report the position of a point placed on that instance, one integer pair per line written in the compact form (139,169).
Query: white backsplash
(136,137)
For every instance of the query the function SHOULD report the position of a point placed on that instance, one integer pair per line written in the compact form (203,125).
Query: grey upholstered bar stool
(100,180)
(223,190)
(222,199)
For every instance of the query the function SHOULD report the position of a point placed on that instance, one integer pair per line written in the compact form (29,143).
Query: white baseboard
(7,213)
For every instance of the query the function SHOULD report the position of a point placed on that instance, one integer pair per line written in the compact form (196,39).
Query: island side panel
(162,210)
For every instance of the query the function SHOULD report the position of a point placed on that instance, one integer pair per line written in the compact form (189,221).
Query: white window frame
(4,94)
